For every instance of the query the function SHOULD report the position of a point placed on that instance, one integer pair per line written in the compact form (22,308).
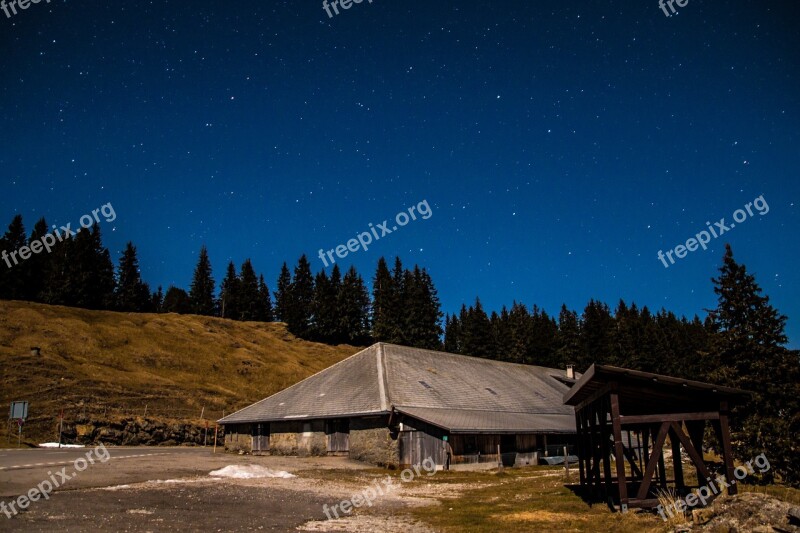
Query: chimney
(570,372)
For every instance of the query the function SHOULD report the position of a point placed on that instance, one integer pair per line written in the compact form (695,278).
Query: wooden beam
(727,452)
(622,480)
(677,465)
(599,393)
(581,447)
(697,459)
(651,464)
(677,417)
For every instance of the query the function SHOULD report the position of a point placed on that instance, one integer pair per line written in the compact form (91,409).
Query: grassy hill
(174,367)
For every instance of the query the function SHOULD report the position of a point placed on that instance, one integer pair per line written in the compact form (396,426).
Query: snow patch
(55,445)
(249,472)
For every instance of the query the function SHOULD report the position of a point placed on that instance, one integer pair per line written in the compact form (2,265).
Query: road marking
(33,465)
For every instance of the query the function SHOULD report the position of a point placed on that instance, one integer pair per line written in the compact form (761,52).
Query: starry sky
(559,145)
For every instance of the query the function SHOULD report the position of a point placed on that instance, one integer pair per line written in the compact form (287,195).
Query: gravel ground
(175,492)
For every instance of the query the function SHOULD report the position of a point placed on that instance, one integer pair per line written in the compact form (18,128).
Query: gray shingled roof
(455,392)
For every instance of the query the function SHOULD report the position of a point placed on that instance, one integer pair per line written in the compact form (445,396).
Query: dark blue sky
(559,145)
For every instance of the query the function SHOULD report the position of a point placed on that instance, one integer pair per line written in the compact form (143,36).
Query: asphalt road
(23,469)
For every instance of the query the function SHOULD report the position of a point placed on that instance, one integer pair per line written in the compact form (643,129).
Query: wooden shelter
(628,414)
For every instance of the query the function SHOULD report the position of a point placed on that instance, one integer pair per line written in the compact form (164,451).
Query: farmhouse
(395,406)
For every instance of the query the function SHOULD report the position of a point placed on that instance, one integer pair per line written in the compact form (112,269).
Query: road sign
(18,410)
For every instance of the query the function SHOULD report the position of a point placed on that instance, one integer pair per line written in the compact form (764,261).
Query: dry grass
(524,500)
(96,361)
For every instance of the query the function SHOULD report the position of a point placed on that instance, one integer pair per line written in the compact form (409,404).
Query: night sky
(559,145)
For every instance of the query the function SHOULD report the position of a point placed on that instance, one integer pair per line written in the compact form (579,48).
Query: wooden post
(677,464)
(566,462)
(216,429)
(499,458)
(619,456)
(727,452)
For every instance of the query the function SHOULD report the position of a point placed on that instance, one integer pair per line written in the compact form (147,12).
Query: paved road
(18,459)
(22,469)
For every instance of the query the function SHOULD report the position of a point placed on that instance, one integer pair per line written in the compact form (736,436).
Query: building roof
(455,392)
(644,392)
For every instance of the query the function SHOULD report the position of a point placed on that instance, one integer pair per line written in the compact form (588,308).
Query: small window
(425,385)
(491,391)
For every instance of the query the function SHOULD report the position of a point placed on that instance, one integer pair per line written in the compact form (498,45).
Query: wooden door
(260,438)
(337,433)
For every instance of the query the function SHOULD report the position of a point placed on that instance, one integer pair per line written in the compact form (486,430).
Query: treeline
(78,272)
(741,343)
(629,337)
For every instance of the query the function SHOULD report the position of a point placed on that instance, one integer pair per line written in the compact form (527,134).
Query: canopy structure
(628,415)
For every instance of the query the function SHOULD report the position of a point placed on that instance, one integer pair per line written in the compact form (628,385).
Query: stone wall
(298,438)
(135,431)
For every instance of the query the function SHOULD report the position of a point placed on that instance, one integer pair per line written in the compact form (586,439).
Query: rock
(794,516)
(702,516)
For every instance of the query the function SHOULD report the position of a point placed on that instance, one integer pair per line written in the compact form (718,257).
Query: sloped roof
(455,392)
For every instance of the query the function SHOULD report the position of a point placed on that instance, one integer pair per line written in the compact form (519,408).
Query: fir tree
(283,294)
(201,292)
(177,301)
(384,304)
(477,337)
(452,334)
(157,301)
(354,308)
(12,282)
(36,265)
(301,301)
(251,307)
(748,346)
(132,294)
(265,302)
(230,294)
(570,350)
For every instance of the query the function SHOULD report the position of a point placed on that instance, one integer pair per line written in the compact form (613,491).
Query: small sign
(18,410)
(444,438)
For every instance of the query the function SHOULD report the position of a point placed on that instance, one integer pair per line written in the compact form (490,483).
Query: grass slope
(101,362)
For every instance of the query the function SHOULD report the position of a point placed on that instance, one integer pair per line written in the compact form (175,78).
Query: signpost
(18,412)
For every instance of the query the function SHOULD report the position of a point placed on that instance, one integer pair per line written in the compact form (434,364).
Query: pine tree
(249,297)
(570,349)
(230,294)
(452,334)
(478,333)
(12,283)
(326,317)
(384,302)
(301,301)
(598,324)
(37,265)
(354,308)
(430,336)
(158,301)
(748,344)
(201,293)
(501,334)
(265,302)
(283,294)
(132,294)
(520,327)
(177,301)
